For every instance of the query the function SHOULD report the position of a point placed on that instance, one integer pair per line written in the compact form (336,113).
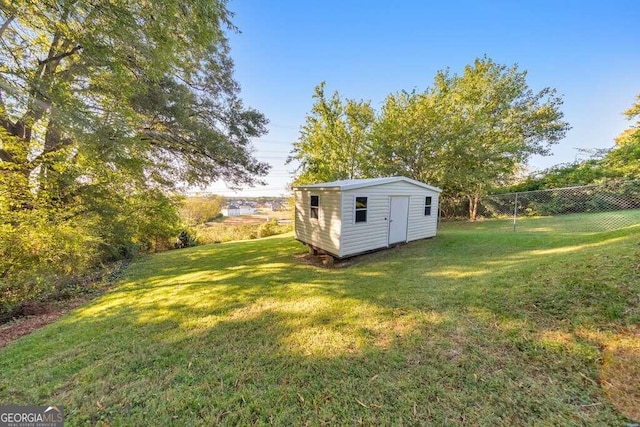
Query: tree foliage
(466,133)
(334,141)
(197,210)
(108,107)
(624,159)
(622,162)
(143,88)
(409,137)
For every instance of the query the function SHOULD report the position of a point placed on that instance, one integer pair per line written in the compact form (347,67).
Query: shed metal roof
(352,184)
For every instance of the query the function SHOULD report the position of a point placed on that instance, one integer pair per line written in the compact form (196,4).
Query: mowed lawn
(478,326)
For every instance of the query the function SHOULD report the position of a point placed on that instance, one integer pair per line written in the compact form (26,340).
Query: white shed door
(398,217)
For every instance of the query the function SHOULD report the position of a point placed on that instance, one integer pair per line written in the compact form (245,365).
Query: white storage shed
(351,217)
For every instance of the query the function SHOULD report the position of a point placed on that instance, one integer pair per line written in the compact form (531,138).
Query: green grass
(474,327)
(573,223)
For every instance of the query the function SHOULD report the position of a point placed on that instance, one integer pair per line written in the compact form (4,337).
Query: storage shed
(350,217)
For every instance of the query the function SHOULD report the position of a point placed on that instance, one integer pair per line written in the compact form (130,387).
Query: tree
(334,142)
(200,209)
(624,159)
(621,162)
(93,89)
(106,109)
(469,132)
(144,87)
(409,137)
(583,172)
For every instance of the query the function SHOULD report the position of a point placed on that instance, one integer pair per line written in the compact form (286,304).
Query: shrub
(36,251)
(200,209)
(221,232)
(270,228)
(45,244)
(185,240)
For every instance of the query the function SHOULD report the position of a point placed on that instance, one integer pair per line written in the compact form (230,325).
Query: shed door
(398,217)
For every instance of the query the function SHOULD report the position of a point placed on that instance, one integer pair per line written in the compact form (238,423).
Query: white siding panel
(374,234)
(336,231)
(323,232)
(421,226)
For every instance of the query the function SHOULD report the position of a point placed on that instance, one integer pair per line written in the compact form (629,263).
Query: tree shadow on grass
(448,331)
(311,365)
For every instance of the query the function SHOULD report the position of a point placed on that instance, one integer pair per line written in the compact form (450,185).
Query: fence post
(515,212)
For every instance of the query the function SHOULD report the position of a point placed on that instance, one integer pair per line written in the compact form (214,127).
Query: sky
(589,51)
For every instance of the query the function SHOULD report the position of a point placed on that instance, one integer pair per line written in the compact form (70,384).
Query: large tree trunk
(16,164)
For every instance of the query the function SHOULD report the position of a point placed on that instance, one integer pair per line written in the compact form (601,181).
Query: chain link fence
(590,208)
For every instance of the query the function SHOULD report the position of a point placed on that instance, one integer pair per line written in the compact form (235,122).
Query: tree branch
(182,145)
(6,24)
(4,118)
(5,156)
(60,56)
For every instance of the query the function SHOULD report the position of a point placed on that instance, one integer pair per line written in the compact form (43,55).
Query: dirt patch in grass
(325,261)
(34,317)
(322,260)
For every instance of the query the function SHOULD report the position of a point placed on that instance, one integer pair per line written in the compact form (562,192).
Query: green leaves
(624,159)
(469,131)
(621,162)
(334,143)
(152,80)
(465,134)
(106,108)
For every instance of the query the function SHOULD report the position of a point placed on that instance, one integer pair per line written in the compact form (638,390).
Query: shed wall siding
(324,232)
(421,226)
(373,234)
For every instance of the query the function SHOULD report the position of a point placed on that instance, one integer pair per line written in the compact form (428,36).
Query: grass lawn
(574,223)
(474,327)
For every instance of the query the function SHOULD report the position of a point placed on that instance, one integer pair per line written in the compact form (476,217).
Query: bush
(197,210)
(270,228)
(36,251)
(45,244)
(185,240)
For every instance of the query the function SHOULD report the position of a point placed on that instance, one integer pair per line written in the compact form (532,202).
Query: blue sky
(588,51)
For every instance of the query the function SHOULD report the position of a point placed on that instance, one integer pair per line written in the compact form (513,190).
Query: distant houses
(250,207)
(237,209)
(274,206)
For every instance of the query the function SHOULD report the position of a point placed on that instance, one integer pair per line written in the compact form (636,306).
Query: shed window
(315,204)
(361,209)
(427,206)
